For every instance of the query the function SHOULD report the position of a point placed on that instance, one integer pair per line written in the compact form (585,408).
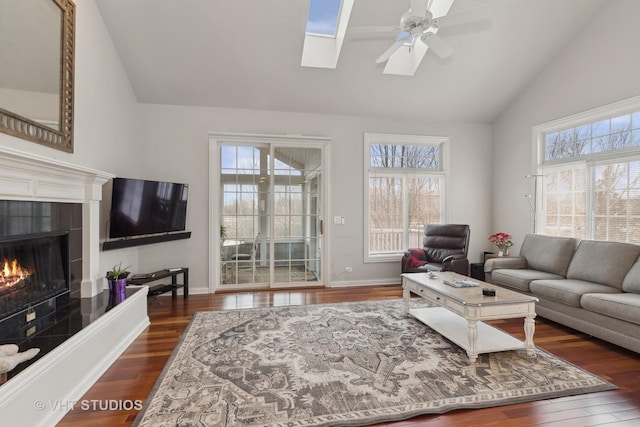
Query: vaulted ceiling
(246,54)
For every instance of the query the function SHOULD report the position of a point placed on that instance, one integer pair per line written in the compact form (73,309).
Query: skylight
(323,17)
(326,28)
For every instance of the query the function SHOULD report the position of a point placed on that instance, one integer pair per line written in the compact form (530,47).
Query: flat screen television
(141,207)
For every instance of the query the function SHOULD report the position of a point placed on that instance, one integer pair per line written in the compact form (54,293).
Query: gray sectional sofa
(592,286)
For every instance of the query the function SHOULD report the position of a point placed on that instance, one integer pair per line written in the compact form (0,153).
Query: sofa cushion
(519,279)
(548,253)
(603,262)
(624,306)
(631,282)
(567,291)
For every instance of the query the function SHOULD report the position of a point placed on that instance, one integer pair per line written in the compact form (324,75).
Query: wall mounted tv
(144,211)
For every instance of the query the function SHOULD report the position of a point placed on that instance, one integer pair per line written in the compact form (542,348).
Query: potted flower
(117,278)
(502,241)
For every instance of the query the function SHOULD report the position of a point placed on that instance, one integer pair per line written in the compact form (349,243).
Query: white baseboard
(195,291)
(334,284)
(368,282)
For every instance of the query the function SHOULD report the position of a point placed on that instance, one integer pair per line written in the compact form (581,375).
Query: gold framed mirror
(37,43)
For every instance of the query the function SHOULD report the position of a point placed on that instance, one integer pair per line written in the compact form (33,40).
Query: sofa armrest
(504,262)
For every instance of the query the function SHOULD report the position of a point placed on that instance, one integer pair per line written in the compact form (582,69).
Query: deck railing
(391,240)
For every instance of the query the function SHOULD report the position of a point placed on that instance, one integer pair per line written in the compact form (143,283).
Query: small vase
(117,286)
(503,251)
(115,298)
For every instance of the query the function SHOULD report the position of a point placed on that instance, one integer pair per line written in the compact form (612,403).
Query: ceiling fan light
(412,23)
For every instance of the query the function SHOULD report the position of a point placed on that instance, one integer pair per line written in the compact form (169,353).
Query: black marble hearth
(61,324)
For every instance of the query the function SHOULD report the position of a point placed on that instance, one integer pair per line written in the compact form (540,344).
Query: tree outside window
(405,183)
(591,178)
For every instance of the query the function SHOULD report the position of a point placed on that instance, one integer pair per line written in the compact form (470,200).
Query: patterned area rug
(348,364)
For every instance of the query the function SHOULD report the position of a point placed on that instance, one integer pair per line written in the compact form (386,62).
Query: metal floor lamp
(533,198)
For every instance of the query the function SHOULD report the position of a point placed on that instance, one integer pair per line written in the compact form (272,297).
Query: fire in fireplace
(13,274)
(34,269)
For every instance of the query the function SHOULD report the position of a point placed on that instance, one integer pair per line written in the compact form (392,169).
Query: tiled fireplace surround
(61,376)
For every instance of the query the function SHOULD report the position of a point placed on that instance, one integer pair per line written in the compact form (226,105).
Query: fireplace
(40,262)
(33,280)
(32,270)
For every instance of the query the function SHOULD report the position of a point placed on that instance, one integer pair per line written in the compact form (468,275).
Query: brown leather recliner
(444,248)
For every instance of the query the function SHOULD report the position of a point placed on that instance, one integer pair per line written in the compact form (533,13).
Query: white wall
(598,67)
(178,137)
(105,110)
(107,135)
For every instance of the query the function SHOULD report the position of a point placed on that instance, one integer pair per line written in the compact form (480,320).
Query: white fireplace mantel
(27,176)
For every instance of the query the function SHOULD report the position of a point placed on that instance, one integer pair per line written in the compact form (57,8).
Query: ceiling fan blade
(464,16)
(368,30)
(387,53)
(438,45)
(419,8)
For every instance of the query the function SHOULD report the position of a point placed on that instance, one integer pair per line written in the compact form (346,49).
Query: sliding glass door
(297,224)
(269,204)
(244,187)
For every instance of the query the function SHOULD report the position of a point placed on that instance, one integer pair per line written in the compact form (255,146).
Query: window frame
(442,173)
(590,160)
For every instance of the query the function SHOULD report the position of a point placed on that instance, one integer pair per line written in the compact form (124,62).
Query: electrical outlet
(348,269)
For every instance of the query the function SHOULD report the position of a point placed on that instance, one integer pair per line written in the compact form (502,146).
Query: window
(590,167)
(404,190)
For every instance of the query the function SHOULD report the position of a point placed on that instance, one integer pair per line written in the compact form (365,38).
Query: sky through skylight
(323,16)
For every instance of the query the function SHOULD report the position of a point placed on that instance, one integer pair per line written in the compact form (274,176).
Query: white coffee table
(460,311)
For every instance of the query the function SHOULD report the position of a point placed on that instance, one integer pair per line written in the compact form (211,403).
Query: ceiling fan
(419,26)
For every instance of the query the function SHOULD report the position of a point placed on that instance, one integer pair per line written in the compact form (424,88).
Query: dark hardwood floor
(133,375)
